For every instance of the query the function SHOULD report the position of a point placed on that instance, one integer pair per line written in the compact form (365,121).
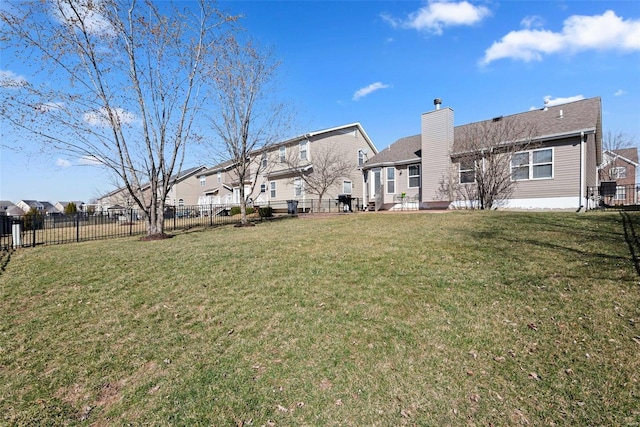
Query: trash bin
(292,207)
(345,201)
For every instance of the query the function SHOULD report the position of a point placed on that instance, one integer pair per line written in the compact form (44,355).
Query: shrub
(33,220)
(265,212)
(236,210)
(70,209)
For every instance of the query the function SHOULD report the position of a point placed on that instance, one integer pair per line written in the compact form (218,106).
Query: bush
(265,212)
(71,209)
(236,210)
(33,220)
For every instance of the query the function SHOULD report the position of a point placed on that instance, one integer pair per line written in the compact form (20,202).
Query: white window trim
(409,176)
(616,172)
(391,180)
(273,190)
(264,161)
(282,154)
(219,177)
(350,185)
(305,144)
(531,164)
(460,171)
(203,180)
(298,188)
(360,157)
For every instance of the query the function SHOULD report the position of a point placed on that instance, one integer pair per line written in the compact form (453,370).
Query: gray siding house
(410,172)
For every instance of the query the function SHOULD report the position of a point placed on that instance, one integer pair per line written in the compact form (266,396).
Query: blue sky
(382,63)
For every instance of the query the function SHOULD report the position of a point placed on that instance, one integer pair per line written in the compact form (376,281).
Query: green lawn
(460,318)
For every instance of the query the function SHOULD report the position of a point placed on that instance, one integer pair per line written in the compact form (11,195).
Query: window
(273,189)
(180,202)
(391,180)
(621,193)
(263,188)
(283,154)
(346,187)
(534,164)
(219,177)
(360,157)
(297,187)
(203,181)
(414,176)
(303,149)
(618,172)
(264,160)
(467,171)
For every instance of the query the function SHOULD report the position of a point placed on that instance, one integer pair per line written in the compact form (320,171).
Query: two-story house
(278,172)
(619,168)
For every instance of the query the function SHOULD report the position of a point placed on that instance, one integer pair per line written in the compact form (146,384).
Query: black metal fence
(611,195)
(38,229)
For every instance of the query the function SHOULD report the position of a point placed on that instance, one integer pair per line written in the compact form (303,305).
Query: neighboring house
(62,206)
(275,172)
(27,205)
(9,209)
(44,208)
(568,137)
(184,191)
(50,209)
(619,167)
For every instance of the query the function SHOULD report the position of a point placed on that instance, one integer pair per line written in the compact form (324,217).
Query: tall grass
(366,319)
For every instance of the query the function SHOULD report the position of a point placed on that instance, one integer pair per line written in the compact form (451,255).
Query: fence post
(130,221)
(77,227)
(36,223)
(211,215)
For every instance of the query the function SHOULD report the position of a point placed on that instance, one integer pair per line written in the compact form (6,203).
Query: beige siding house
(410,172)
(184,191)
(276,172)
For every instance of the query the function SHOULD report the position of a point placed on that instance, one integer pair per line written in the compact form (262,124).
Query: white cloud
(101,117)
(63,163)
(89,11)
(361,93)
(11,80)
(437,15)
(550,101)
(579,33)
(620,92)
(532,21)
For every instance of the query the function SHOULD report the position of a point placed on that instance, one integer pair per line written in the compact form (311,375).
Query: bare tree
(119,84)
(487,159)
(248,119)
(328,165)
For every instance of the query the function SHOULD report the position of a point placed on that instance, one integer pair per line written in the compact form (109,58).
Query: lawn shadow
(631,238)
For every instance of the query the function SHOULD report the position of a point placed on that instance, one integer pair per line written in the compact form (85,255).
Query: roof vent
(561,114)
(437,102)
(497,119)
(546,105)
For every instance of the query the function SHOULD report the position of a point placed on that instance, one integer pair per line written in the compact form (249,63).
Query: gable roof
(228,164)
(629,155)
(404,151)
(549,123)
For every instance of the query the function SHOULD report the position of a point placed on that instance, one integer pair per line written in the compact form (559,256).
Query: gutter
(582,171)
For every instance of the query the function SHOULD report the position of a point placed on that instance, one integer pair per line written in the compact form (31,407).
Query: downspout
(582,172)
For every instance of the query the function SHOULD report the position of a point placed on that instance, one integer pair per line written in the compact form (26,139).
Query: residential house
(553,170)
(27,205)
(619,169)
(275,172)
(184,191)
(7,208)
(62,206)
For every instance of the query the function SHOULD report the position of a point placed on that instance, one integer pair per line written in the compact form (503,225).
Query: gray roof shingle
(576,116)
